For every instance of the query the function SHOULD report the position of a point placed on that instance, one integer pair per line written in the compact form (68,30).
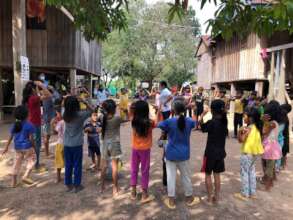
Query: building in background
(54,48)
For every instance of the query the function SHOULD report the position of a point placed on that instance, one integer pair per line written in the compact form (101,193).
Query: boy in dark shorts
(93,128)
(215,149)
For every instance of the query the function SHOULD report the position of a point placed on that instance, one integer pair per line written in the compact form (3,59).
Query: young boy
(238,112)
(93,128)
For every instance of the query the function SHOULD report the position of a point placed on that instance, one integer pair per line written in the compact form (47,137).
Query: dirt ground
(47,200)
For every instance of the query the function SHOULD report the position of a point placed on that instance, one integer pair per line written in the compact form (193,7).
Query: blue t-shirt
(21,139)
(93,135)
(178,147)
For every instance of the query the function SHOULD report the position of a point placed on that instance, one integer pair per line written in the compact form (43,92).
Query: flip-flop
(147,200)
(241,197)
(28,181)
(206,201)
(167,203)
(195,201)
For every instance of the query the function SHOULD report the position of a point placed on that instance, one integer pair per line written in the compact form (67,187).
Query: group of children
(262,136)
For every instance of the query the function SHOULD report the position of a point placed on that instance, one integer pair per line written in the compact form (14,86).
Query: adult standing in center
(165,108)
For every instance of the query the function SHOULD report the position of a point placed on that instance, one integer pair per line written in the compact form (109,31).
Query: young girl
(215,149)
(272,149)
(177,154)
(142,136)
(250,137)
(111,148)
(93,128)
(22,132)
(59,127)
(73,140)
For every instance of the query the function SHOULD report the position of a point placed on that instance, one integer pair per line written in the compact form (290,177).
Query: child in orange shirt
(142,136)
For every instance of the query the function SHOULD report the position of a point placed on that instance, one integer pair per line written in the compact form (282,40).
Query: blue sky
(203,15)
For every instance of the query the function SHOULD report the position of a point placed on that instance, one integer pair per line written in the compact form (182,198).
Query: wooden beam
(271,77)
(282,78)
(280,47)
(18,45)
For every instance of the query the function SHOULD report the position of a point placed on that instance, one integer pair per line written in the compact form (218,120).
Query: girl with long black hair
(22,132)
(142,136)
(177,153)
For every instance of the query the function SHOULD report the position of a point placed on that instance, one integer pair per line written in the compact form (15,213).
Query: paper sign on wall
(25,70)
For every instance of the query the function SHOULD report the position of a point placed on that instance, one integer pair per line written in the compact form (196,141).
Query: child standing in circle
(177,154)
(215,149)
(250,137)
(111,147)
(73,141)
(22,132)
(59,127)
(272,149)
(142,136)
(93,129)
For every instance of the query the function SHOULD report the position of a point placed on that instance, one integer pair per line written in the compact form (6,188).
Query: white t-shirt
(164,95)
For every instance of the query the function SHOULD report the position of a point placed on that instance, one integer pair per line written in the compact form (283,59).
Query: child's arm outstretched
(7,145)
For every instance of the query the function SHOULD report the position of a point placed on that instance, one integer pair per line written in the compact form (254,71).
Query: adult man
(165,108)
(165,100)
(238,111)
(101,94)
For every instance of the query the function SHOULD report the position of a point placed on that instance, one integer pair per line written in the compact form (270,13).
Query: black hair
(219,112)
(255,116)
(254,93)
(273,110)
(179,109)
(164,83)
(141,122)
(20,114)
(28,92)
(108,107)
(286,107)
(71,108)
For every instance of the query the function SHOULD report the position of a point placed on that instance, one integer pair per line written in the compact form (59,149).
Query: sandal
(167,203)
(28,181)
(241,197)
(194,201)
(147,200)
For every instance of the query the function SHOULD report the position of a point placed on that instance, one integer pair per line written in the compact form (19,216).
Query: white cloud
(203,15)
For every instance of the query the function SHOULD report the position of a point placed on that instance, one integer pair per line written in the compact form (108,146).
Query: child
(250,137)
(22,132)
(272,149)
(215,149)
(238,112)
(111,148)
(142,136)
(73,141)
(287,109)
(177,154)
(123,105)
(59,127)
(93,128)
(282,123)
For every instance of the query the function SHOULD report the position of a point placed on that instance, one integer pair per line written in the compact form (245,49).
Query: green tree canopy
(150,48)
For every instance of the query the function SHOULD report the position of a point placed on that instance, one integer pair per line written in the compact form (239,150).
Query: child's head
(141,121)
(239,94)
(222,93)
(272,109)
(71,108)
(94,116)
(219,112)
(200,90)
(109,107)
(253,95)
(29,90)
(20,114)
(179,110)
(252,116)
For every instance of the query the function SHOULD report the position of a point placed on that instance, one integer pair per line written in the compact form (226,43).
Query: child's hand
(4,152)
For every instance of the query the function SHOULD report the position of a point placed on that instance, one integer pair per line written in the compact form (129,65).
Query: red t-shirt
(34,110)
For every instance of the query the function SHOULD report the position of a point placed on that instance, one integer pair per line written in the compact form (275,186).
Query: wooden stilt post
(72,80)
(271,78)
(18,45)
(282,78)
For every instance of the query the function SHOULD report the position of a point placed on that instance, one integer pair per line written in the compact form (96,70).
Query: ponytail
(181,122)
(20,115)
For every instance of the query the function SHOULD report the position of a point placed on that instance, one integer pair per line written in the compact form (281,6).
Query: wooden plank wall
(204,70)
(5,33)
(62,46)
(238,60)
